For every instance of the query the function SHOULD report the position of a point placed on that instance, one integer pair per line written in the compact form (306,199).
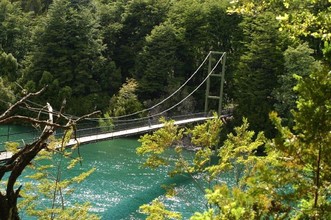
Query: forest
(120,56)
(84,51)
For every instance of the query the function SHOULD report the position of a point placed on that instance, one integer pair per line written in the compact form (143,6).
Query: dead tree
(21,159)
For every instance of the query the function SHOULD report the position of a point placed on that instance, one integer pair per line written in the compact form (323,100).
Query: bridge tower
(220,75)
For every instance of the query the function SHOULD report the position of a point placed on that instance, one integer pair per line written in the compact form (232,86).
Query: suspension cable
(157,104)
(165,99)
(178,103)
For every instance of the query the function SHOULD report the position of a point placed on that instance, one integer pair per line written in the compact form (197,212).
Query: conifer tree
(136,22)
(15,29)
(259,66)
(292,181)
(68,57)
(159,63)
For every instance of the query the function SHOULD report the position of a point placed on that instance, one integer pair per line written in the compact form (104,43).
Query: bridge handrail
(120,126)
(16,133)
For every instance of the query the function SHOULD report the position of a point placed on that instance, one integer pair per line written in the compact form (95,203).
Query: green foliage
(68,54)
(48,169)
(253,193)
(303,160)
(154,145)
(106,123)
(327,51)
(170,136)
(12,147)
(298,61)
(6,95)
(38,7)
(8,65)
(257,72)
(159,63)
(156,210)
(298,18)
(136,21)
(314,103)
(126,101)
(198,26)
(14,30)
(238,150)
(291,181)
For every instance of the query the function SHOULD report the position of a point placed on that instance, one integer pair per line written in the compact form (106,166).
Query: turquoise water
(120,184)
(16,133)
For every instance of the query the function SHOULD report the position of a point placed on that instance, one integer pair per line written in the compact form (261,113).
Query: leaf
(12,147)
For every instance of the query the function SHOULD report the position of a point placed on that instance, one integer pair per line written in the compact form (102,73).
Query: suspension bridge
(130,125)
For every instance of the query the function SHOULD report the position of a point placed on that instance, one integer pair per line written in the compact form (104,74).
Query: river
(120,184)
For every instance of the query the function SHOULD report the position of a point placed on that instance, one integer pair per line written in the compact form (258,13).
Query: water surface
(120,184)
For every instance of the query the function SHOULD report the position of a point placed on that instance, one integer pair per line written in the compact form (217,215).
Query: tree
(298,61)
(159,64)
(205,26)
(137,21)
(303,20)
(15,31)
(6,95)
(68,57)
(153,146)
(199,27)
(258,69)
(313,123)
(110,16)
(291,181)
(23,157)
(175,48)
(46,196)
(126,101)
(9,66)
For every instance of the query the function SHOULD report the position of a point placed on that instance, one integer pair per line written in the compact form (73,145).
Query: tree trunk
(8,207)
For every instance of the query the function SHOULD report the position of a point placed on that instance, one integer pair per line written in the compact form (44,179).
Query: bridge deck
(116,134)
(129,132)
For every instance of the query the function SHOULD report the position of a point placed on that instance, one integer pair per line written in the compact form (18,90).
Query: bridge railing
(28,137)
(18,137)
(121,125)
(132,124)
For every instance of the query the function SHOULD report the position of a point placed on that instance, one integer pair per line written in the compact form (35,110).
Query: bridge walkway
(144,127)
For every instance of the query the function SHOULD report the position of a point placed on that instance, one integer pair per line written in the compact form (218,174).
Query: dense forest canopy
(85,50)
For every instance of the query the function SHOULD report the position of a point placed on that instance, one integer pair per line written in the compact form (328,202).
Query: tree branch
(31,120)
(21,159)
(21,101)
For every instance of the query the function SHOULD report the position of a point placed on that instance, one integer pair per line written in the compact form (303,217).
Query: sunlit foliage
(48,188)
(291,181)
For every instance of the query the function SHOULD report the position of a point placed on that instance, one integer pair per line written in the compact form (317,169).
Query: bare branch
(61,110)
(10,109)
(21,159)
(31,120)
